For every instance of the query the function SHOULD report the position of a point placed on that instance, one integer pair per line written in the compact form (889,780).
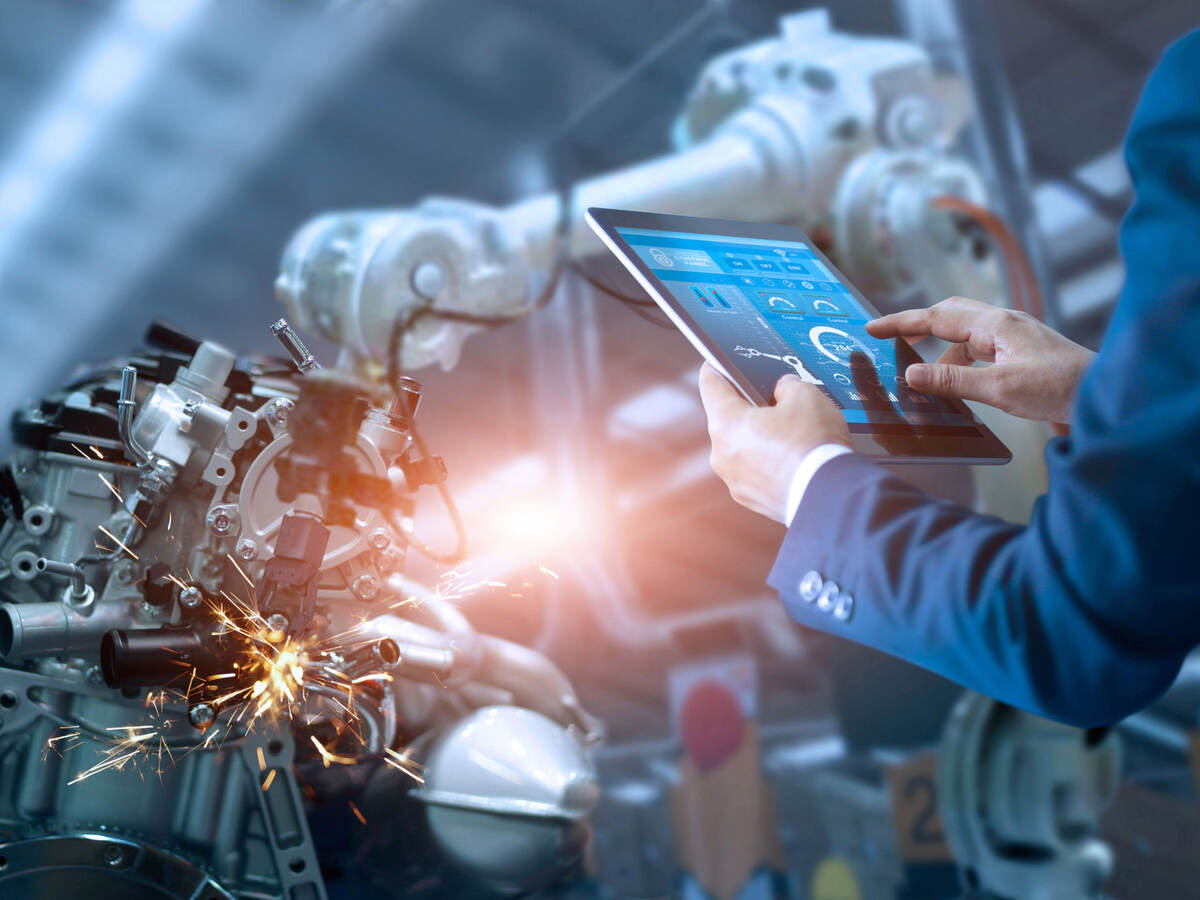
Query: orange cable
(1019,272)
(1023,285)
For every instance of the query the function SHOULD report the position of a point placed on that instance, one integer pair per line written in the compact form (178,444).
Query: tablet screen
(774,307)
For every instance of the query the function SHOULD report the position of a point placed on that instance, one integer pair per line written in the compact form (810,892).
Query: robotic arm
(846,136)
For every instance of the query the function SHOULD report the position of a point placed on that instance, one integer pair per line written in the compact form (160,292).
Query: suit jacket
(1086,614)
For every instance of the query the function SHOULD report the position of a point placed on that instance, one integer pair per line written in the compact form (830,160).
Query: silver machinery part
(293,346)
(79,585)
(819,128)
(100,865)
(126,406)
(1021,798)
(35,630)
(506,790)
(65,585)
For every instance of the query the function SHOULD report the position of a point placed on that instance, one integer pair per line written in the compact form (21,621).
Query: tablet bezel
(898,444)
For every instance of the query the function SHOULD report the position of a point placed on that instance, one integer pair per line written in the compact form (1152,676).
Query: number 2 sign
(919,833)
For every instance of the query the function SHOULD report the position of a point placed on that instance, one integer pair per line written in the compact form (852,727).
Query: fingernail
(917,375)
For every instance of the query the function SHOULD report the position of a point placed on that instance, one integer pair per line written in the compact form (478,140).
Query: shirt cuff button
(810,586)
(828,597)
(844,608)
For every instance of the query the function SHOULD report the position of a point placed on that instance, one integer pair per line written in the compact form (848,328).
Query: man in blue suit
(1086,614)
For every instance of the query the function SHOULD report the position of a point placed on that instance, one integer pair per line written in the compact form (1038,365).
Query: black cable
(404,325)
(395,369)
(460,530)
(637,306)
(605,289)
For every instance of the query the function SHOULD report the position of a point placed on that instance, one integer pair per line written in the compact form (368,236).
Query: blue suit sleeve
(1085,614)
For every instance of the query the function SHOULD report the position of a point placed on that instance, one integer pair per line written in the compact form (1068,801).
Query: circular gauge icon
(780,303)
(836,344)
(808,285)
(841,379)
(827,306)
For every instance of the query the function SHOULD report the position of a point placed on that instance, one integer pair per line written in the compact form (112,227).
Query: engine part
(158,657)
(100,865)
(293,346)
(289,584)
(34,630)
(1021,797)
(507,790)
(188,543)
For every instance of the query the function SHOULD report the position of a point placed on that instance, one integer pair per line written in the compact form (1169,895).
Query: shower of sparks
(140,746)
(405,764)
(241,571)
(119,542)
(270,678)
(330,758)
(112,487)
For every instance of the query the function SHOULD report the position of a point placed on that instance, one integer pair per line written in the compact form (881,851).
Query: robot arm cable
(1025,293)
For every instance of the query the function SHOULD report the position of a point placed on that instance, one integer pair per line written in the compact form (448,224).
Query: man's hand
(756,450)
(1035,371)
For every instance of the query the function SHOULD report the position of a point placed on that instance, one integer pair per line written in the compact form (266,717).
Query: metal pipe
(372,739)
(79,584)
(126,404)
(30,630)
(300,355)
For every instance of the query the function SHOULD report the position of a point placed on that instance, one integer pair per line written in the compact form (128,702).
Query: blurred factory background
(156,157)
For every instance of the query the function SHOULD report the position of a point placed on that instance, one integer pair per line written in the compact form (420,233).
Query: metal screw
(114,855)
(389,560)
(190,597)
(124,573)
(220,521)
(366,587)
(190,407)
(246,549)
(278,622)
(279,411)
(379,539)
(201,716)
(94,676)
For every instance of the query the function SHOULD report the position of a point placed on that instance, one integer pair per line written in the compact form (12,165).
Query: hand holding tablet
(760,301)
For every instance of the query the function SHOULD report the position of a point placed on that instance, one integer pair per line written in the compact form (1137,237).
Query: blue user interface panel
(773,307)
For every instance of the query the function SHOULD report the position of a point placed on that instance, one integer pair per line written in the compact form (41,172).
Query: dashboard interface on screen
(774,307)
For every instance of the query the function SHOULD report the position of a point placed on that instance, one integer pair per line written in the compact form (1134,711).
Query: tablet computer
(760,301)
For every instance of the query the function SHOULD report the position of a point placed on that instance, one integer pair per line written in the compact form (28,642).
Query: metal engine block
(202,594)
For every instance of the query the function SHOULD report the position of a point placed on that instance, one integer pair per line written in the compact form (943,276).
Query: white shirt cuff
(813,460)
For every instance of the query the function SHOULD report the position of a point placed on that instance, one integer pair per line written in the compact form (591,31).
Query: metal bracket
(283,813)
